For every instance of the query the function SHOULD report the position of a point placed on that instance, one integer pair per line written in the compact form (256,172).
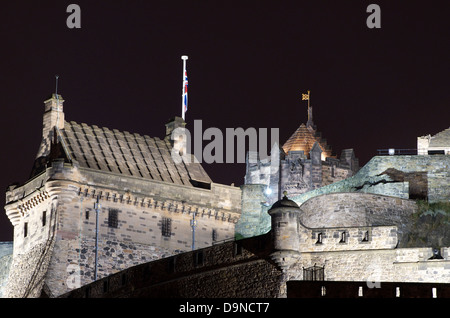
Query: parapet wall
(348,239)
(355,209)
(238,269)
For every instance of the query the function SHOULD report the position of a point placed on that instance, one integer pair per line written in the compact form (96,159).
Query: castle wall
(247,268)
(372,266)
(347,238)
(233,269)
(254,218)
(298,174)
(356,209)
(6,251)
(372,178)
(139,221)
(333,173)
(34,234)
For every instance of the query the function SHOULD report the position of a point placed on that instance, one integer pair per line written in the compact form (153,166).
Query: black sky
(249,62)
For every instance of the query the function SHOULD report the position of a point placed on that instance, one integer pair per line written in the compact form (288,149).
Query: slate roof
(128,154)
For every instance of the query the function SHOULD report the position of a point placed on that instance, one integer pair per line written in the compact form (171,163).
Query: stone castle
(120,194)
(305,162)
(112,212)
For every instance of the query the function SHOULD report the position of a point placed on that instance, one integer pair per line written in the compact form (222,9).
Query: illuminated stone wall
(375,177)
(6,250)
(153,221)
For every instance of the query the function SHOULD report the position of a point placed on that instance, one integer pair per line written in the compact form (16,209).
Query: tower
(101,200)
(285,225)
(305,162)
(285,215)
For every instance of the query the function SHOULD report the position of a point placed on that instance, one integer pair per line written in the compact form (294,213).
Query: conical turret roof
(304,138)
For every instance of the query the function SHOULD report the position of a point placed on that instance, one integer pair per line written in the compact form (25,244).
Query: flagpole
(309,98)
(184,58)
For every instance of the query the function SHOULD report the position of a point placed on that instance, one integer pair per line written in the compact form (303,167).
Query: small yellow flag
(305,96)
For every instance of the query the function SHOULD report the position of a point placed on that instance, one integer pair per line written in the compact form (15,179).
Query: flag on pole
(305,96)
(185,91)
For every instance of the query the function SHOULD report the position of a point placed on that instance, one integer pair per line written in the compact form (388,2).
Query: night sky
(249,62)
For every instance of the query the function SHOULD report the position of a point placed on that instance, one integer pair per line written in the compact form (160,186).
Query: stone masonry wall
(254,219)
(233,269)
(6,250)
(348,238)
(355,209)
(245,269)
(138,238)
(389,265)
(139,221)
(34,235)
(372,178)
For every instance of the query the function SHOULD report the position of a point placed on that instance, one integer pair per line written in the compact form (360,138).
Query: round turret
(285,224)
(284,202)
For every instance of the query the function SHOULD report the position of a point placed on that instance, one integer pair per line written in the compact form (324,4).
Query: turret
(285,237)
(285,225)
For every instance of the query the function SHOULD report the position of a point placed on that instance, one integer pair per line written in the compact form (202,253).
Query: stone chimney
(422,144)
(53,117)
(179,138)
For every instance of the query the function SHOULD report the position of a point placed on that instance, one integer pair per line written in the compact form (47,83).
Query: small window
(44,218)
(343,237)
(25,229)
(319,238)
(323,291)
(214,235)
(87,215)
(365,237)
(113,220)
(166,227)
